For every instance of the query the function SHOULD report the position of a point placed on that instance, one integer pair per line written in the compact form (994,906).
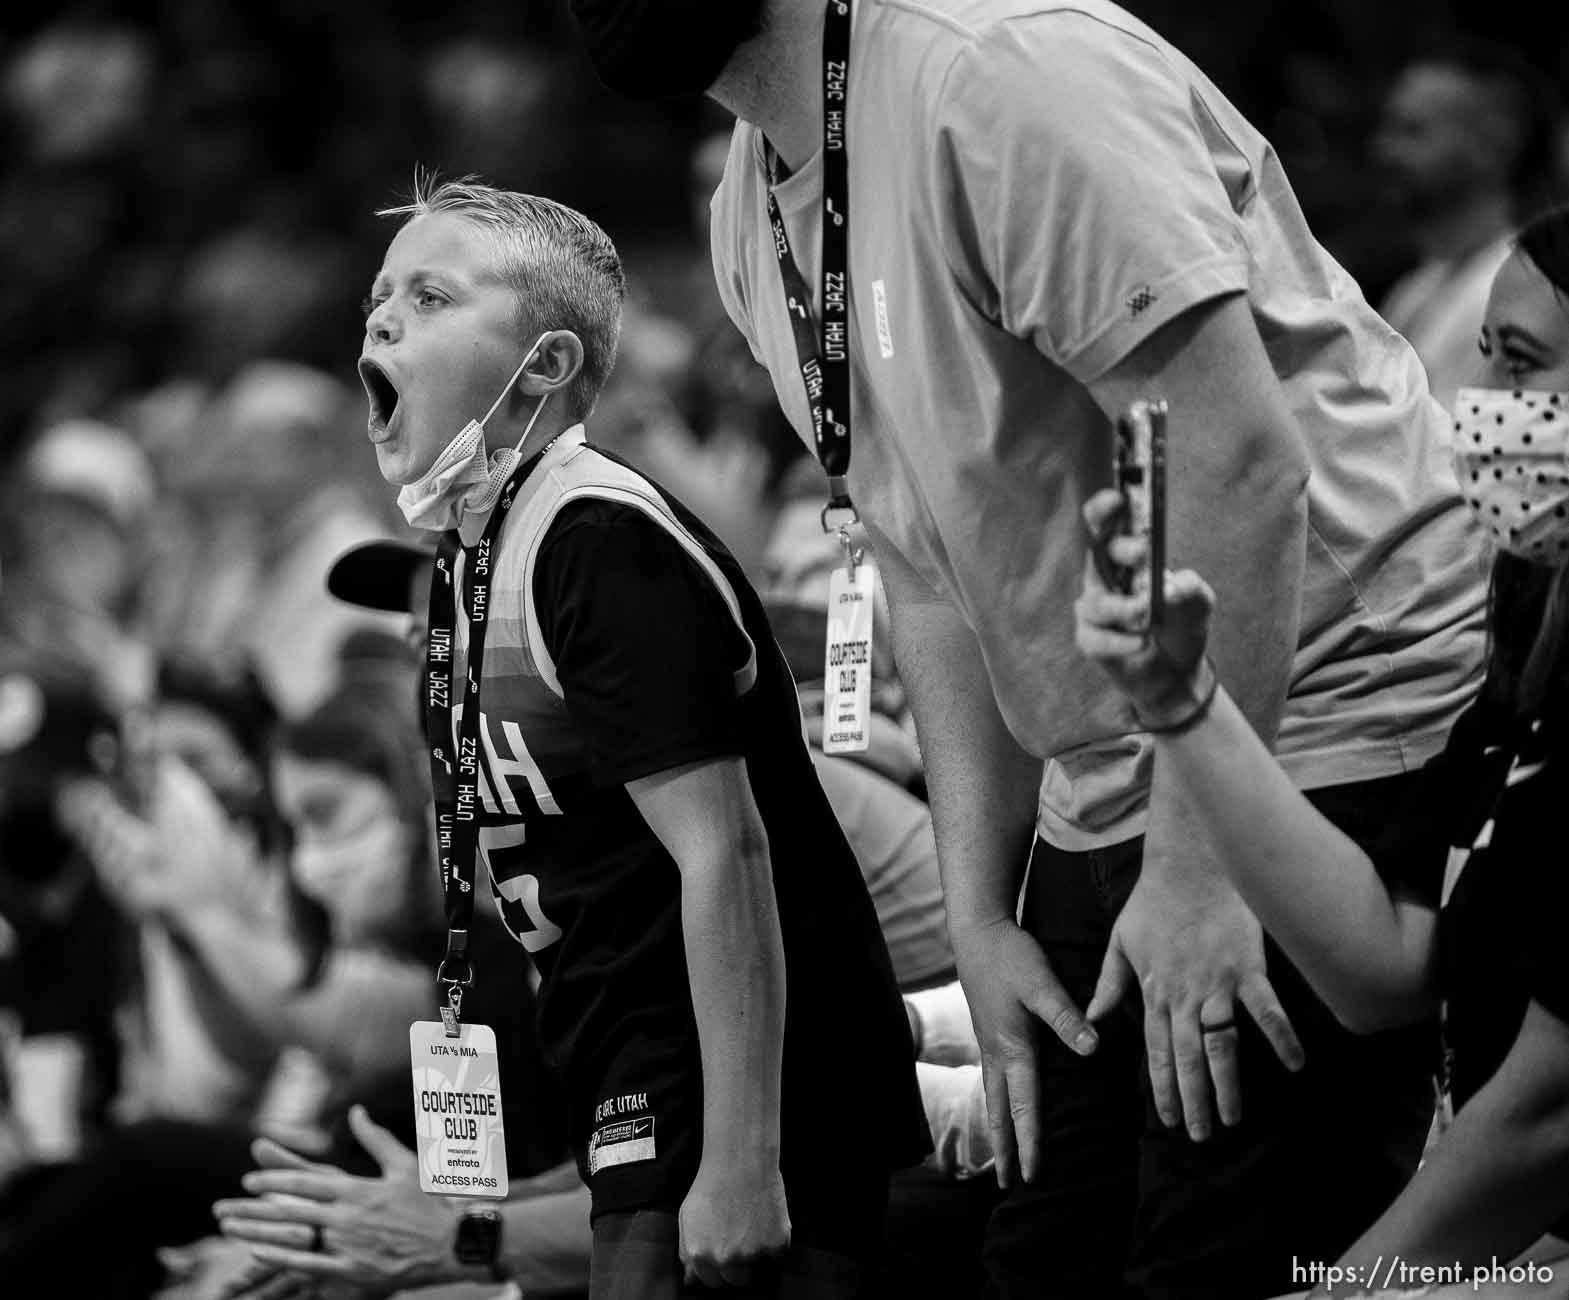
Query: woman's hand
(122,847)
(1153,667)
(204,858)
(181,853)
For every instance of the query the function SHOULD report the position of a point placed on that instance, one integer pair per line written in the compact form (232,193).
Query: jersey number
(522,890)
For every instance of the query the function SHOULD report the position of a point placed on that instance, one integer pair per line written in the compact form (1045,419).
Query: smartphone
(1139,473)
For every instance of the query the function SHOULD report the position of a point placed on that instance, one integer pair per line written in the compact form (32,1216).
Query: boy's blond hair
(564,269)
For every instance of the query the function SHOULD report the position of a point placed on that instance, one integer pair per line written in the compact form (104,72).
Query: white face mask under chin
(462,484)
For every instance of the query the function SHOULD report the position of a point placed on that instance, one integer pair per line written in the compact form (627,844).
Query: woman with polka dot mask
(1512,436)
(1460,902)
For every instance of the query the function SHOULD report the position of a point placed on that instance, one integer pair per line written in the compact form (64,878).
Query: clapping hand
(312,1218)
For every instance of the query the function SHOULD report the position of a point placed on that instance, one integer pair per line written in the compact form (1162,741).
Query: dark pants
(1126,1207)
(834,1253)
(936,1226)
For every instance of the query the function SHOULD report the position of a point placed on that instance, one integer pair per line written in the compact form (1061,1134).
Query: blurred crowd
(214,865)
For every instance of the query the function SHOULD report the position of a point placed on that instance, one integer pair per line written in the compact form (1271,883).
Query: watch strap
(477,1240)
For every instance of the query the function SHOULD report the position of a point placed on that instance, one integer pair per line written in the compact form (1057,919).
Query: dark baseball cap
(379,575)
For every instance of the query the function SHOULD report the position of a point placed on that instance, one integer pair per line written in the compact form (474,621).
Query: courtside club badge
(847,669)
(457,1110)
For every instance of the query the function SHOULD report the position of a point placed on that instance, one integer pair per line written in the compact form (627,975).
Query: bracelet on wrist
(1187,713)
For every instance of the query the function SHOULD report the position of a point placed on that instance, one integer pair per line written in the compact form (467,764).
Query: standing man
(1049,212)
(1465,133)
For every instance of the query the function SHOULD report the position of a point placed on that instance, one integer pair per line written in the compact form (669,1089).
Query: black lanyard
(455,778)
(825,360)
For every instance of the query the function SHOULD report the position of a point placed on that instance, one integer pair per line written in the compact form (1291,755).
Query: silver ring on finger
(1219,1027)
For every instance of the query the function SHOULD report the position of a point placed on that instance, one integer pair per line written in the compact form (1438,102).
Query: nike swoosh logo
(1523,772)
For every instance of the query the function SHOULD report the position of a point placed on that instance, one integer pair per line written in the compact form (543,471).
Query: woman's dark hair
(1528,604)
(1545,240)
(1526,658)
(368,726)
(239,701)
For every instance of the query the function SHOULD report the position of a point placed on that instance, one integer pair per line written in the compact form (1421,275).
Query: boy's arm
(704,815)
(646,651)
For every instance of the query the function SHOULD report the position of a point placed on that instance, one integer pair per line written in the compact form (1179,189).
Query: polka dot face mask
(1512,459)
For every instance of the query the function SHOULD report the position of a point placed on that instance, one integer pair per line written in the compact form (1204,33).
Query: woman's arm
(1500,1176)
(1369,954)
(355,1016)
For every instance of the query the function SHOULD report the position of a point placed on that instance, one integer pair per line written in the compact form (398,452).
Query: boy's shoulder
(599,516)
(580,494)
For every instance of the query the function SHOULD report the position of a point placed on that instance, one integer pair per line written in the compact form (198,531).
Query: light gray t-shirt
(1035,189)
(890,831)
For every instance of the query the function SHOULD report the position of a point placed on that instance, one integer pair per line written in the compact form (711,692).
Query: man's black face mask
(663,49)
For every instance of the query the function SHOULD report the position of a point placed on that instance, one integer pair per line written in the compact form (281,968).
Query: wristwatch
(478,1239)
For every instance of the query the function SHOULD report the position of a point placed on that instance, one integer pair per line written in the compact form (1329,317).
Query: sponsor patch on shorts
(623,1143)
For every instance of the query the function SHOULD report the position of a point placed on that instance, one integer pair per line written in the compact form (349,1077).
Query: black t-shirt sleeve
(644,646)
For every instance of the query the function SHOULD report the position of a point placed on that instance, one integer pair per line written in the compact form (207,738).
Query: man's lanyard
(455,778)
(825,360)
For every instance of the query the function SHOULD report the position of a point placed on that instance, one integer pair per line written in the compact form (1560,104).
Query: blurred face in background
(79,93)
(76,553)
(1438,139)
(1525,333)
(441,341)
(352,853)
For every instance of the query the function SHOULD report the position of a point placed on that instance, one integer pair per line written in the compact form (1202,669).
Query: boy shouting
(649,813)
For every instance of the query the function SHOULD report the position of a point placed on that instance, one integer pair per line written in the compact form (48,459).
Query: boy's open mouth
(382,392)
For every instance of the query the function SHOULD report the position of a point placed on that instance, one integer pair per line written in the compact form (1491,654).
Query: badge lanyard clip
(853,554)
(838,516)
(456,974)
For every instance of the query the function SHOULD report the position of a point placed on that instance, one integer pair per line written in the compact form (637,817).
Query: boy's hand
(731,1220)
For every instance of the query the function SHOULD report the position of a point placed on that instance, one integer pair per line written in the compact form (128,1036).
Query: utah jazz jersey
(625,641)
